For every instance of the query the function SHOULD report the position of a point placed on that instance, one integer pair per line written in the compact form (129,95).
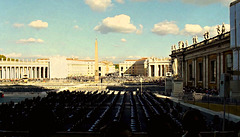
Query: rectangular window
(121,68)
(229,62)
(99,68)
(200,71)
(213,70)
(190,72)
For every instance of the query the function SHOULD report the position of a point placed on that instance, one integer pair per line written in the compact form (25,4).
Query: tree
(8,59)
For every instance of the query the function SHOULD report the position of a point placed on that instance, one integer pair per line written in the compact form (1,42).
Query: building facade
(78,67)
(235,46)
(18,69)
(150,67)
(208,63)
(201,64)
(54,67)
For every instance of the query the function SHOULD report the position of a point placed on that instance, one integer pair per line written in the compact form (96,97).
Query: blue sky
(125,29)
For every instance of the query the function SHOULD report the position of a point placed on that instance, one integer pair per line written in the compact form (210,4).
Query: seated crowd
(107,112)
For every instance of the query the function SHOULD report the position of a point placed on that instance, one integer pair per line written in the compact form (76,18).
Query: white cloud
(123,40)
(140,30)
(99,5)
(38,24)
(192,29)
(30,40)
(140,0)
(77,27)
(73,56)
(36,56)
(88,58)
(207,2)
(13,55)
(118,24)
(165,0)
(18,25)
(134,57)
(120,1)
(165,27)
(195,29)
(111,57)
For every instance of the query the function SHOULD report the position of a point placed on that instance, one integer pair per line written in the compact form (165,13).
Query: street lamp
(141,85)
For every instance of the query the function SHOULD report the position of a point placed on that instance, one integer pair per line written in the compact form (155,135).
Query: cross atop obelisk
(96,62)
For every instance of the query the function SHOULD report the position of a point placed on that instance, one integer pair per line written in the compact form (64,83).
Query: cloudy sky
(125,29)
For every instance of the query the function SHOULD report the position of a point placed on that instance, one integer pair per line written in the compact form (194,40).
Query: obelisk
(96,62)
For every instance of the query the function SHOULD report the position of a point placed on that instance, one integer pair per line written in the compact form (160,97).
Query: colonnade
(18,72)
(21,69)
(157,70)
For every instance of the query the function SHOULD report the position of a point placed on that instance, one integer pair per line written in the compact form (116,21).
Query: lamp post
(141,85)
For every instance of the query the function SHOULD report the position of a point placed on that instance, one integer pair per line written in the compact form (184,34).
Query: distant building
(54,67)
(77,67)
(150,67)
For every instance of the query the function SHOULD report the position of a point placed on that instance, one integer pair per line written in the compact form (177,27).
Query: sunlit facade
(201,64)
(54,67)
(18,69)
(150,67)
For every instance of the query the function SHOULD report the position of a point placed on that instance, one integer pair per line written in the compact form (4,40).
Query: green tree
(116,66)
(8,59)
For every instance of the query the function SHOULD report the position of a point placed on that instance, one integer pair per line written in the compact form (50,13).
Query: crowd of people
(112,113)
(213,91)
(117,79)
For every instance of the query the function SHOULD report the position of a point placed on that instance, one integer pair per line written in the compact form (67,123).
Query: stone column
(149,70)
(18,72)
(155,71)
(10,72)
(15,72)
(186,73)
(221,67)
(40,72)
(44,70)
(48,72)
(207,77)
(183,76)
(22,71)
(195,72)
(2,72)
(218,67)
(204,72)
(7,72)
(35,72)
(29,72)
(163,71)
(160,69)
